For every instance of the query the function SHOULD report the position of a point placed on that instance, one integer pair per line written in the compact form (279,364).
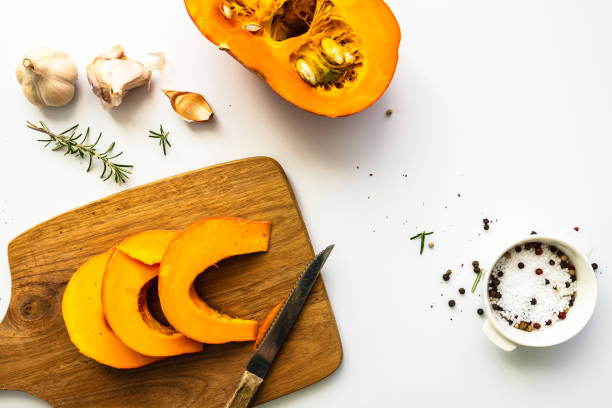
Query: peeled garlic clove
(47,77)
(190,106)
(113,75)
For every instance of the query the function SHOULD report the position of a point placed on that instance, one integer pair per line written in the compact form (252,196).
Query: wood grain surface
(36,355)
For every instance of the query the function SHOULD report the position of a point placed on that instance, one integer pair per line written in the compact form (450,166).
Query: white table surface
(507,103)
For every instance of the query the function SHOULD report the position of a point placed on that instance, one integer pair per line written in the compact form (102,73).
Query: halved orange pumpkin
(330,57)
(199,246)
(124,299)
(85,322)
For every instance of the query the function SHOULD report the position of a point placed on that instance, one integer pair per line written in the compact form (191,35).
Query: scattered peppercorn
(517,248)
(564,264)
(536,326)
(546,281)
(500,274)
(389,112)
(480,311)
(534,233)
(430,245)
(521,265)
(576,229)
(567,284)
(534,301)
(475,264)
(548,322)
(451,303)
(485,223)
(539,251)
(551,262)
(446,277)
(462,291)
(539,271)
(594,266)
(562,315)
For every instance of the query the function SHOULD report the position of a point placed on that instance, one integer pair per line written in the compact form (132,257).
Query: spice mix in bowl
(539,292)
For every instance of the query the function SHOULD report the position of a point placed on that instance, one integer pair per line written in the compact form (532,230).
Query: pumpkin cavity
(330,57)
(150,308)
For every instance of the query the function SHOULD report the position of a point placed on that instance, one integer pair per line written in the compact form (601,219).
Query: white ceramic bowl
(577,248)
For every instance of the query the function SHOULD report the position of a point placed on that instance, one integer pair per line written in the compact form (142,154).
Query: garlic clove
(113,75)
(190,106)
(47,77)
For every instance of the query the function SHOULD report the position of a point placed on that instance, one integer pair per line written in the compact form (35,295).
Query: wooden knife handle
(245,391)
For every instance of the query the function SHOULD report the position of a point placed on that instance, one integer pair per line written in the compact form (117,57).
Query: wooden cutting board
(36,355)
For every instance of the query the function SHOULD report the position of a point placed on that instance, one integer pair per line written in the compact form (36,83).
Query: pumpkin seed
(306,71)
(332,51)
(252,27)
(226,11)
(349,58)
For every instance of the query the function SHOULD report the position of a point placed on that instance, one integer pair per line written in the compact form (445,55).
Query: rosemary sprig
(477,280)
(422,235)
(162,136)
(76,144)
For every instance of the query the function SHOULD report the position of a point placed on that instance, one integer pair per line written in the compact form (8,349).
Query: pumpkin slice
(330,57)
(147,246)
(199,246)
(85,322)
(124,299)
(267,323)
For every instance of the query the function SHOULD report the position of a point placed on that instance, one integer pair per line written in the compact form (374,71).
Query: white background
(507,103)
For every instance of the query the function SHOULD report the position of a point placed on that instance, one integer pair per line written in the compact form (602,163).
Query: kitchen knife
(262,359)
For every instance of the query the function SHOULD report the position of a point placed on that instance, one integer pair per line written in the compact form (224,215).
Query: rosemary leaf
(162,136)
(477,280)
(422,235)
(75,144)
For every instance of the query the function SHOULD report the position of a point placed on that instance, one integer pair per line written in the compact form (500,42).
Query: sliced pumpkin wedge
(147,246)
(267,323)
(85,322)
(124,299)
(201,245)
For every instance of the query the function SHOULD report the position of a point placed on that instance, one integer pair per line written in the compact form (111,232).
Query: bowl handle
(497,339)
(577,240)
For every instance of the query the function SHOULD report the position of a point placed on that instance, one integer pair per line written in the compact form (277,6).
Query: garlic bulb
(112,75)
(47,77)
(190,106)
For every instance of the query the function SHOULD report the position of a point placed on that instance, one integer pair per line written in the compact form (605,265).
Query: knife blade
(262,359)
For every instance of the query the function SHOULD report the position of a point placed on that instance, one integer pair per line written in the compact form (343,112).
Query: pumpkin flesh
(267,323)
(85,321)
(124,299)
(330,57)
(199,246)
(147,246)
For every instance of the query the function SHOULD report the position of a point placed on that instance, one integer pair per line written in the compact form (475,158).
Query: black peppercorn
(446,277)
(462,291)
(517,248)
(594,266)
(451,303)
(480,311)
(521,265)
(551,262)
(534,301)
